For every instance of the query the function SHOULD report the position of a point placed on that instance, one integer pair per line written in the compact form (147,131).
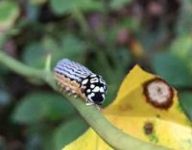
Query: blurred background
(107,36)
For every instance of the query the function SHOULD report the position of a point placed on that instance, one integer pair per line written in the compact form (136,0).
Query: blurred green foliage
(9,12)
(47,106)
(186,102)
(61,7)
(108,36)
(172,69)
(67,46)
(68,132)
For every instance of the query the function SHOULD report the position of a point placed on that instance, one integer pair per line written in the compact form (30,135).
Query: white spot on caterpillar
(94,80)
(85,81)
(96,89)
(92,86)
(101,89)
(93,75)
(90,96)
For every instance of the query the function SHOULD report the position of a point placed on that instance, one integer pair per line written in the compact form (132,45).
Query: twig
(112,135)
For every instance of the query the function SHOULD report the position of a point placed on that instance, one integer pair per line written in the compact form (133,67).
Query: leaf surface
(131,112)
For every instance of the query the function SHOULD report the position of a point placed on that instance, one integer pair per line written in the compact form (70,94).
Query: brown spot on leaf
(125,107)
(148,128)
(158,93)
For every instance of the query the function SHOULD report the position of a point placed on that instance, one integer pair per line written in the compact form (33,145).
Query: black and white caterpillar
(78,80)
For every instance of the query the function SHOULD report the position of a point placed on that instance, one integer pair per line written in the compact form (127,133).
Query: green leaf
(35,55)
(186,103)
(68,6)
(118,4)
(37,2)
(9,13)
(67,46)
(172,69)
(73,48)
(182,47)
(38,106)
(184,21)
(68,132)
(130,23)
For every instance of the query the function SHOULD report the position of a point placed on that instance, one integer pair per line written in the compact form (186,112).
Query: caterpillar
(78,80)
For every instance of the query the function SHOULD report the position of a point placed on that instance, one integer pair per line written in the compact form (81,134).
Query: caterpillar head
(94,88)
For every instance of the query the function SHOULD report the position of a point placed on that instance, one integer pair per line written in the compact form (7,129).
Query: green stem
(112,135)
(25,70)
(19,67)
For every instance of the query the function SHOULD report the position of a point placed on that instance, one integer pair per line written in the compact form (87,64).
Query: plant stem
(25,70)
(19,67)
(112,135)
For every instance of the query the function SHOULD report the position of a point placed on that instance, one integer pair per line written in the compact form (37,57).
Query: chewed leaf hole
(158,93)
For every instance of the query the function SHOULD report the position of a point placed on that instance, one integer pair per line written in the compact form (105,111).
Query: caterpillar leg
(89,103)
(75,95)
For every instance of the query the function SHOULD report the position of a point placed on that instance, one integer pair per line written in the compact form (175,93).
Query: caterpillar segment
(68,86)
(78,80)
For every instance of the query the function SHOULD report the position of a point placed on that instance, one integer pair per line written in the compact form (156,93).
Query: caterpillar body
(78,80)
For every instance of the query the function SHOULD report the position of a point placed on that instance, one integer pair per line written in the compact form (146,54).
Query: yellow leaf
(88,141)
(154,116)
